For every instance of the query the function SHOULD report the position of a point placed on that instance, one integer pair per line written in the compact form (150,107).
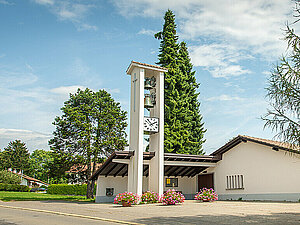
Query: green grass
(32,196)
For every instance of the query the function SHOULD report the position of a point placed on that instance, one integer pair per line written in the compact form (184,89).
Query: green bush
(68,189)
(13,187)
(7,177)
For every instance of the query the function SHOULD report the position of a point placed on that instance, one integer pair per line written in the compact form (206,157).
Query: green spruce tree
(195,126)
(16,156)
(181,104)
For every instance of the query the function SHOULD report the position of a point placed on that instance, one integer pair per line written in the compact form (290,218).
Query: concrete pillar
(156,142)
(135,167)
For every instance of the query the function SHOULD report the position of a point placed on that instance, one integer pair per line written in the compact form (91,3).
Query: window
(171,182)
(234,182)
(109,192)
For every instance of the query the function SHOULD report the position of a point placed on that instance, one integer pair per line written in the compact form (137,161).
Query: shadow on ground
(274,219)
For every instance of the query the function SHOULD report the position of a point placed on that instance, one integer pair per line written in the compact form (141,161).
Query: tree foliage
(7,177)
(92,127)
(16,156)
(183,122)
(283,91)
(41,162)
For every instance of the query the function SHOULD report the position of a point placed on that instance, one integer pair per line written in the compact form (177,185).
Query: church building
(245,168)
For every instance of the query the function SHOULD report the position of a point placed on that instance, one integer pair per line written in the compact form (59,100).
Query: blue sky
(49,48)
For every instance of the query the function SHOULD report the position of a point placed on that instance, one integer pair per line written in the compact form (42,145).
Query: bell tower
(147,92)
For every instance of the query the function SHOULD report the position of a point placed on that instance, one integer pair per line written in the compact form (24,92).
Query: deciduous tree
(91,127)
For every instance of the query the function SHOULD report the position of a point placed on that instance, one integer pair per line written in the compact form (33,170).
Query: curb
(71,214)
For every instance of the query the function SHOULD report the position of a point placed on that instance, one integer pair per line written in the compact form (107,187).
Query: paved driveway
(191,212)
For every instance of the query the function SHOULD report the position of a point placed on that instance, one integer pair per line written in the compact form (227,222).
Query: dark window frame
(173,182)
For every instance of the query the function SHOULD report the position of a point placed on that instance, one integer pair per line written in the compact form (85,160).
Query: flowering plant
(171,197)
(207,195)
(128,197)
(149,197)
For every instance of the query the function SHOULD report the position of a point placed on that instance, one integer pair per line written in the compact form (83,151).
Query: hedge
(68,189)
(13,187)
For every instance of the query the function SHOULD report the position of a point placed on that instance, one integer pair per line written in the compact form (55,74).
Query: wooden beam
(111,169)
(191,171)
(187,163)
(196,172)
(184,171)
(171,171)
(179,171)
(126,171)
(119,170)
(126,161)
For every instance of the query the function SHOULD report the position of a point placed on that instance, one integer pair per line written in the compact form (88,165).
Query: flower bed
(206,195)
(172,197)
(149,197)
(126,199)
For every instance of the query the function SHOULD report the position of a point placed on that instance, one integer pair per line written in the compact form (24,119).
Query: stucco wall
(265,172)
(118,183)
(188,186)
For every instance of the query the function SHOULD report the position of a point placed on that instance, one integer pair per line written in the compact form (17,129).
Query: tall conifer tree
(196,126)
(181,105)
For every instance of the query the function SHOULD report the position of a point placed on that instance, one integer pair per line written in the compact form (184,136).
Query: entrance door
(205,180)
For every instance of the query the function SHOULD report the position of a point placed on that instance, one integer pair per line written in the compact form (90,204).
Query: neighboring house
(30,181)
(77,173)
(245,168)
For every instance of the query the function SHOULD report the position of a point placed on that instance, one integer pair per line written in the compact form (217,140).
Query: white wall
(188,186)
(265,171)
(185,184)
(118,183)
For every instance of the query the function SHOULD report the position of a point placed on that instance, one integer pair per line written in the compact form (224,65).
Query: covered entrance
(205,181)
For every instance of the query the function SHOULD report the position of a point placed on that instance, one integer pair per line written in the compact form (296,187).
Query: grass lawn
(32,196)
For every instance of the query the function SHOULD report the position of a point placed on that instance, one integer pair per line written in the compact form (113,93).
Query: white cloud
(147,32)
(222,33)
(66,90)
(2,55)
(33,140)
(224,98)
(219,59)
(4,2)
(73,11)
(14,78)
(44,2)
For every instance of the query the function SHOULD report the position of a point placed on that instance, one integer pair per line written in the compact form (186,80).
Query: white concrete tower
(154,125)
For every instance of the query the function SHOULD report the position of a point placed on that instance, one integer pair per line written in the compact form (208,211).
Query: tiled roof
(30,178)
(146,65)
(276,145)
(81,168)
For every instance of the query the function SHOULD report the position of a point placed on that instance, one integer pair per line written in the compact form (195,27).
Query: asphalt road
(22,217)
(191,212)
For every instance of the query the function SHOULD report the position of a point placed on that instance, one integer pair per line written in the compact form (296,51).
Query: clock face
(151,124)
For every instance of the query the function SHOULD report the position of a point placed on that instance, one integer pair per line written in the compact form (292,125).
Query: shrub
(128,197)
(13,187)
(171,197)
(68,189)
(7,177)
(207,195)
(149,197)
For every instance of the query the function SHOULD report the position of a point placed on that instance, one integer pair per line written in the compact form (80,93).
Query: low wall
(292,197)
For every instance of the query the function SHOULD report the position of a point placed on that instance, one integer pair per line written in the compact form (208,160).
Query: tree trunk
(89,190)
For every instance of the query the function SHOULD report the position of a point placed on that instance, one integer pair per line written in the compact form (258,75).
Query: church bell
(147,102)
(147,84)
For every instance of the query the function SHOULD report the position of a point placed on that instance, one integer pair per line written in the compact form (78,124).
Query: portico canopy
(174,164)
